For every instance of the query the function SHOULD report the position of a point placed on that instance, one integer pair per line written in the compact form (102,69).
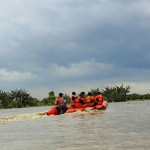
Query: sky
(74,45)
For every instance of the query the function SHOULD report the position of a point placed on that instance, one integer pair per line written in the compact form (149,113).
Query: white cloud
(14,76)
(81,68)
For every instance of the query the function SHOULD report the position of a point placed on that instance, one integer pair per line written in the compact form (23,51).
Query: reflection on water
(123,126)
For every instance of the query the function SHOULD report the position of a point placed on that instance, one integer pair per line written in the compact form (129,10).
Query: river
(123,126)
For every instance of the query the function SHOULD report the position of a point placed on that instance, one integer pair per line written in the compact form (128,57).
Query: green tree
(66,98)
(116,94)
(94,91)
(50,100)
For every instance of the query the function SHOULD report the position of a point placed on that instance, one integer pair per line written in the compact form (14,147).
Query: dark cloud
(66,42)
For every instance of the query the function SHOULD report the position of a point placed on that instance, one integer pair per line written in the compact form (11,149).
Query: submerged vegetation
(21,98)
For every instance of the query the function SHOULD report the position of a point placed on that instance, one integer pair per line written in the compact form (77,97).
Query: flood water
(123,126)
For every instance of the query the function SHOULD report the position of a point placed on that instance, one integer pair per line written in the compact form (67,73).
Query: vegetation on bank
(21,98)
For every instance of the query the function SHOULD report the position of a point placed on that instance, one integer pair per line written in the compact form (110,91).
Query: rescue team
(79,101)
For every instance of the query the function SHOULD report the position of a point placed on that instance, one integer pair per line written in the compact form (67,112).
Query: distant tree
(50,99)
(116,94)
(66,98)
(94,91)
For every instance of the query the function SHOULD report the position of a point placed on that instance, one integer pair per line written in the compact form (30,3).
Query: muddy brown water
(123,126)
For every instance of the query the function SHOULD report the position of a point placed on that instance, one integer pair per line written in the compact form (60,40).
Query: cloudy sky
(74,45)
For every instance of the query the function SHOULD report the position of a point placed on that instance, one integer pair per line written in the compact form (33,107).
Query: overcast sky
(74,45)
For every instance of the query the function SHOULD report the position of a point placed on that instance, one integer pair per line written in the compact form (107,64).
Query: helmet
(73,93)
(82,93)
(61,94)
(99,93)
(89,93)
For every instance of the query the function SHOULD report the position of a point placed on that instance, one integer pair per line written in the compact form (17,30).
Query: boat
(71,109)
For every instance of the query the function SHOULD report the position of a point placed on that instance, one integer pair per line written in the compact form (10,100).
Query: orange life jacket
(90,101)
(58,100)
(99,99)
(80,102)
(73,99)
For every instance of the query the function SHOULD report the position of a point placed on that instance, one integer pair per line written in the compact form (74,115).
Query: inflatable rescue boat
(71,109)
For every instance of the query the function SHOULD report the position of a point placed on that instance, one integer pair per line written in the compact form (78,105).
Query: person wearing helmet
(60,104)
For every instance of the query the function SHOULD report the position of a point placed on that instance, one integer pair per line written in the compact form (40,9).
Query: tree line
(17,99)
(21,98)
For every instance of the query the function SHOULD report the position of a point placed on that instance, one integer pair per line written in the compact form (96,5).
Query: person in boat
(60,104)
(99,98)
(73,99)
(80,101)
(90,100)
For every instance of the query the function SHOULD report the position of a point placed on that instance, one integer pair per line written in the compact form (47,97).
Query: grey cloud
(37,34)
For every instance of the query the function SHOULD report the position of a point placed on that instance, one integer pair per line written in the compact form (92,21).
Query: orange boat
(71,109)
